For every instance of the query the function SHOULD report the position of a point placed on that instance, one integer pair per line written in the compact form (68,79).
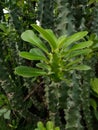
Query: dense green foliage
(61,64)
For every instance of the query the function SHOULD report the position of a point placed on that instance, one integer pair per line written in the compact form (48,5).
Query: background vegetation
(23,101)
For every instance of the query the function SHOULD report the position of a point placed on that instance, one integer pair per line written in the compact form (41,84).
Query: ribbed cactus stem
(64,18)
(86,102)
(45,13)
(72,112)
(94,26)
(52,99)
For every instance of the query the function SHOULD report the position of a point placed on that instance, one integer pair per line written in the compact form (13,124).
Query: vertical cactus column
(52,99)
(86,91)
(72,112)
(63,18)
(45,13)
(94,26)
(86,102)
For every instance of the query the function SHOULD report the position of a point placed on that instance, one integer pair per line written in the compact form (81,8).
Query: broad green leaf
(57,128)
(30,37)
(48,35)
(73,62)
(43,66)
(61,41)
(54,38)
(73,38)
(80,52)
(2,27)
(29,71)
(91,2)
(40,126)
(50,125)
(94,85)
(72,53)
(93,103)
(95,46)
(82,45)
(7,114)
(96,114)
(2,111)
(65,53)
(36,129)
(80,67)
(31,56)
(37,51)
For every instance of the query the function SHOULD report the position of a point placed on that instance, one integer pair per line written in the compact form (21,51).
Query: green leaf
(29,71)
(36,129)
(31,56)
(2,111)
(95,46)
(72,53)
(2,27)
(82,45)
(80,52)
(65,42)
(43,66)
(94,85)
(50,125)
(91,2)
(73,62)
(7,114)
(93,103)
(30,37)
(61,41)
(96,114)
(40,126)
(37,51)
(48,35)
(57,128)
(80,67)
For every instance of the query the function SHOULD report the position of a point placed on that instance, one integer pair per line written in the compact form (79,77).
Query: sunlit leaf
(31,56)
(80,67)
(37,51)
(82,45)
(94,85)
(29,71)
(80,52)
(43,66)
(30,37)
(91,2)
(48,35)
(57,128)
(50,125)
(40,125)
(61,41)
(65,42)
